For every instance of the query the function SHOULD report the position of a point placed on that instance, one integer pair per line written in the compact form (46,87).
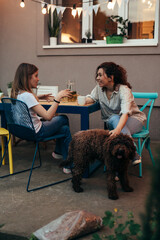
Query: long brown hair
(119,73)
(21,79)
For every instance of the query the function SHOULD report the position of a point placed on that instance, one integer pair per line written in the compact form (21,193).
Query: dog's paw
(113,196)
(78,189)
(128,189)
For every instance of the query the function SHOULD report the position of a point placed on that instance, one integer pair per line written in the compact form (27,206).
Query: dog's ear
(108,144)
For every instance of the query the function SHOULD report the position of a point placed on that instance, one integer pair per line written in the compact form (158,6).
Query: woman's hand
(49,97)
(120,126)
(63,93)
(89,100)
(114,132)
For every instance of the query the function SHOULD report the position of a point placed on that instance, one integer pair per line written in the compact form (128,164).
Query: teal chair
(143,137)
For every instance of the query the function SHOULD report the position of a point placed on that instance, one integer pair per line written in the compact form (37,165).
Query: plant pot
(83,40)
(53,41)
(89,40)
(114,39)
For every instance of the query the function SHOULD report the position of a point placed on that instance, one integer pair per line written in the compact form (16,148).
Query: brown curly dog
(114,152)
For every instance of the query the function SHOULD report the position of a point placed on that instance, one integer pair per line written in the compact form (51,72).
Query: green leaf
(134,228)
(96,237)
(33,237)
(121,237)
(121,227)
(108,220)
(110,237)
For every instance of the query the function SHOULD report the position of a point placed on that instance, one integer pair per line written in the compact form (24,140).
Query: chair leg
(140,153)
(147,145)
(3,150)
(11,164)
(29,179)
(10,154)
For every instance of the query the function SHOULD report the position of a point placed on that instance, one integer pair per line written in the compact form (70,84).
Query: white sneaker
(66,170)
(136,160)
(56,155)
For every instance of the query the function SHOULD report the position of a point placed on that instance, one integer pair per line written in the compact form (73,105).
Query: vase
(53,41)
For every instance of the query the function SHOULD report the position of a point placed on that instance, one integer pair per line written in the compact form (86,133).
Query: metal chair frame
(143,137)
(5,134)
(25,130)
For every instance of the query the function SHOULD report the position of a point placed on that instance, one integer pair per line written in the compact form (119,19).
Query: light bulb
(44,9)
(22,4)
(110,4)
(74,11)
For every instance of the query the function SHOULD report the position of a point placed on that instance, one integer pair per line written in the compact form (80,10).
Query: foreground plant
(129,230)
(151,218)
(121,231)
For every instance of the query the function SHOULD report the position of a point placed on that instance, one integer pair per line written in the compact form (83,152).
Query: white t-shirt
(31,101)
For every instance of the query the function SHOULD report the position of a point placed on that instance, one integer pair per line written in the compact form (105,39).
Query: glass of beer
(71,86)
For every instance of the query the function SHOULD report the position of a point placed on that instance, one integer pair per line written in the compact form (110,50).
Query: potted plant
(9,85)
(122,25)
(54,27)
(88,35)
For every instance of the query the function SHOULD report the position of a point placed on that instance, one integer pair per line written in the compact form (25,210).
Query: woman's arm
(49,97)
(49,114)
(121,124)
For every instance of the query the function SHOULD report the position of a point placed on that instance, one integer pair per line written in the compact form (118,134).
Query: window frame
(100,48)
(123,10)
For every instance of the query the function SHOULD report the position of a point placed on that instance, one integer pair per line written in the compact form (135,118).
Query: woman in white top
(118,108)
(26,78)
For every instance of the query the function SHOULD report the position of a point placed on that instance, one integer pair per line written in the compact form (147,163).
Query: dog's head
(120,147)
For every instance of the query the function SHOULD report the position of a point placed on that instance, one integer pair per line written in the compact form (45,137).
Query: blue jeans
(58,125)
(132,125)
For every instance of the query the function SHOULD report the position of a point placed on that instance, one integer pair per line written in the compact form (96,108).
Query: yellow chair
(5,133)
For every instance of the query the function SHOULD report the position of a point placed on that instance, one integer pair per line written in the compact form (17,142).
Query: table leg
(84,121)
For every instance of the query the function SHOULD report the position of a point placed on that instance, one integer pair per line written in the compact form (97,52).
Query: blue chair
(143,137)
(20,124)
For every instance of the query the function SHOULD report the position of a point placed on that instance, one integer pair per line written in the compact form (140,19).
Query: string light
(74,11)
(22,4)
(44,9)
(110,4)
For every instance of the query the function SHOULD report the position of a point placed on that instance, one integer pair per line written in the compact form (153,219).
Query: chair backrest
(150,99)
(18,119)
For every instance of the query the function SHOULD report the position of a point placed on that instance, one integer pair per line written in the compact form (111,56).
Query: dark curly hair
(112,69)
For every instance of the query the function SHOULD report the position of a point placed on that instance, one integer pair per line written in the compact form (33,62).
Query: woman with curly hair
(118,108)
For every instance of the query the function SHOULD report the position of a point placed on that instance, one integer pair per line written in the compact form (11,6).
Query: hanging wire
(78,2)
